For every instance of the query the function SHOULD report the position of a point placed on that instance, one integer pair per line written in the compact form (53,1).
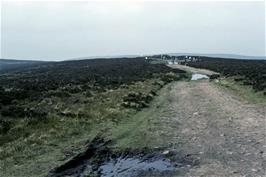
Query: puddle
(129,165)
(197,76)
(98,160)
(133,166)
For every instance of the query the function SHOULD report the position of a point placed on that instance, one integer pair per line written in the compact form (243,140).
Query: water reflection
(197,76)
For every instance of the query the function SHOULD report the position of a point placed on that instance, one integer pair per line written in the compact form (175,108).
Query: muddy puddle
(134,165)
(104,163)
(197,76)
(128,166)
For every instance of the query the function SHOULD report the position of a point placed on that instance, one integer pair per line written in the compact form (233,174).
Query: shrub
(60,94)
(13,111)
(5,125)
(137,100)
(214,76)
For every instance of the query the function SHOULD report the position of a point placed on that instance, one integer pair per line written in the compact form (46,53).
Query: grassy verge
(244,91)
(141,129)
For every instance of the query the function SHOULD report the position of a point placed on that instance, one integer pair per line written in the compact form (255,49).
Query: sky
(65,30)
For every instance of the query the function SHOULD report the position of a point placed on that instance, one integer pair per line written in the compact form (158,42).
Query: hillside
(8,64)
(52,108)
(133,117)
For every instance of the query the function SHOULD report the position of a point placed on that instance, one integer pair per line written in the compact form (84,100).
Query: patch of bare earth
(193,70)
(225,134)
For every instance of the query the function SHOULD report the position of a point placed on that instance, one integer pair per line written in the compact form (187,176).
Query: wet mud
(98,160)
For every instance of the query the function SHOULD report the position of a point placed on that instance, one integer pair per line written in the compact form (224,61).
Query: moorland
(55,114)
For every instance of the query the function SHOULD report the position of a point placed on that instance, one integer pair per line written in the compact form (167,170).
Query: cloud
(62,30)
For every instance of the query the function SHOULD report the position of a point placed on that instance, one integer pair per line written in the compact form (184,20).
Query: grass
(144,129)
(244,91)
(33,149)
(50,112)
(158,61)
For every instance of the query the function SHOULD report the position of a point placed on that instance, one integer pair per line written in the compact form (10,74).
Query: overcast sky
(63,30)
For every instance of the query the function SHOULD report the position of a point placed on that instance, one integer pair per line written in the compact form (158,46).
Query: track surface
(224,133)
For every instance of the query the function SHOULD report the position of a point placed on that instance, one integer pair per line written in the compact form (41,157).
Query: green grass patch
(158,61)
(244,91)
(143,129)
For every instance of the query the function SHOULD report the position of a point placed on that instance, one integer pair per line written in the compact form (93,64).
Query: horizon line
(137,55)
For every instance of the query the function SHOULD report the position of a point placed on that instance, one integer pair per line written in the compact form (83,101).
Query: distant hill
(105,57)
(234,56)
(244,57)
(7,64)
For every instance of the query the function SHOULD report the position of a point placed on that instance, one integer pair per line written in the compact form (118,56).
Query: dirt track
(193,70)
(226,134)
